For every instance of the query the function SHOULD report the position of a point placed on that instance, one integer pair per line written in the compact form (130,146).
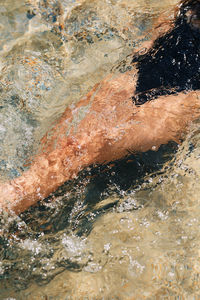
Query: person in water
(141,109)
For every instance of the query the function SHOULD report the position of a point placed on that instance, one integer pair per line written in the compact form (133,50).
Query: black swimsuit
(172,65)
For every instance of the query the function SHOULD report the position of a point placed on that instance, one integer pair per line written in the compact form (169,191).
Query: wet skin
(117,118)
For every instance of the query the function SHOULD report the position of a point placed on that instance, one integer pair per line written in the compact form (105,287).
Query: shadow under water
(126,230)
(73,209)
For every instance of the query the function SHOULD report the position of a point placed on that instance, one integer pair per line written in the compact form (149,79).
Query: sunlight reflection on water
(118,236)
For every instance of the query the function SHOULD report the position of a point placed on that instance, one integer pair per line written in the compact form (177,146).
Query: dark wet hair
(188,4)
(189,10)
(173,63)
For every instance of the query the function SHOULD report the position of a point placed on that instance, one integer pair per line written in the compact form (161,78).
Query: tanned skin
(111,126)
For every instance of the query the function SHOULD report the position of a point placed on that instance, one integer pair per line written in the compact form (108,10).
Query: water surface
(129,231)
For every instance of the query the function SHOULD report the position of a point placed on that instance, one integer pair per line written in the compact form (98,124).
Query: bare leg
(110,125)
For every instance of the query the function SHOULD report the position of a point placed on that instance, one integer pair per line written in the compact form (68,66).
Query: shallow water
(127,232)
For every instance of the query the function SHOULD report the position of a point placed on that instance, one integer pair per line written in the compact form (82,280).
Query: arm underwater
(134,111)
